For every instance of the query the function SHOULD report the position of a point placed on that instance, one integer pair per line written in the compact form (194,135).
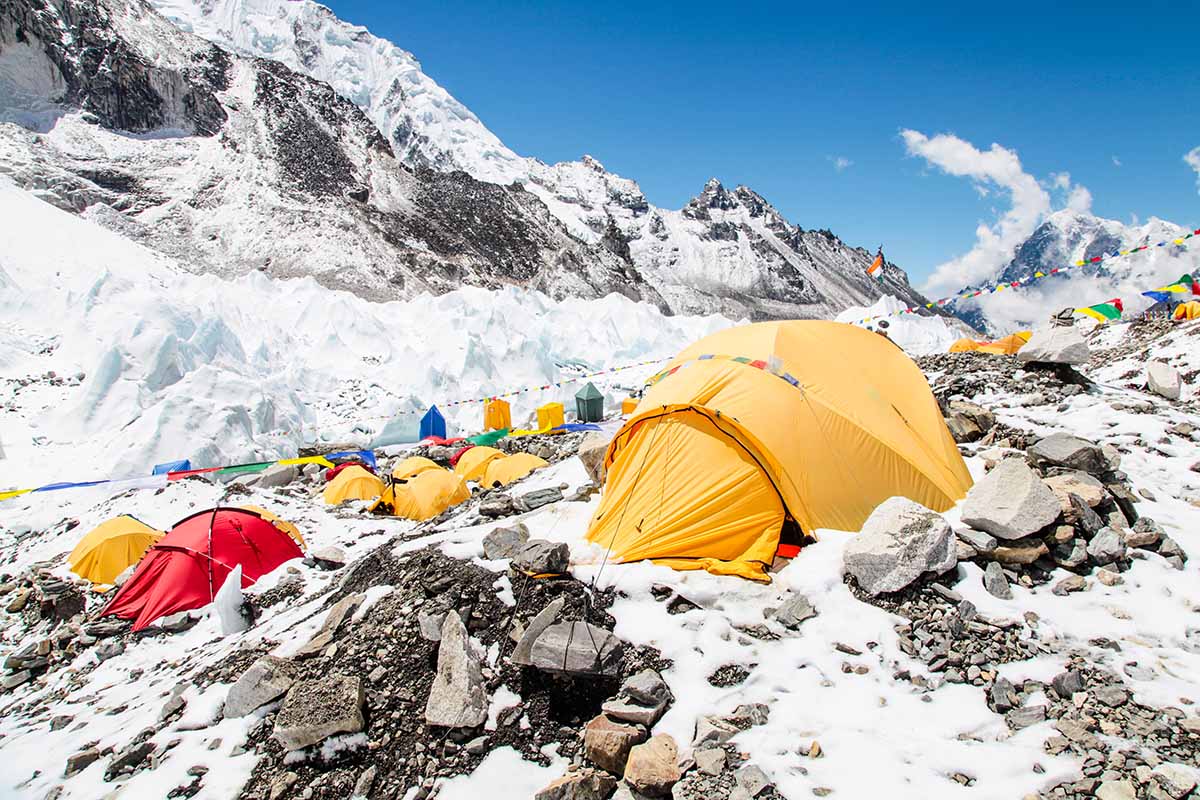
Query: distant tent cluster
(1007,346)
(181,569)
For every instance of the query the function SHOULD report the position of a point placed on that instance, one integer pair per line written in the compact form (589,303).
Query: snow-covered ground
(177,365)
(918,335)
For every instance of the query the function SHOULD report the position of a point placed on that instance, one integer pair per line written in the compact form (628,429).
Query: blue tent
(433,424)
(172,466)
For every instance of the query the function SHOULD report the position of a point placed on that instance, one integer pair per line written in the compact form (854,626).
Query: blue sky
(772,94)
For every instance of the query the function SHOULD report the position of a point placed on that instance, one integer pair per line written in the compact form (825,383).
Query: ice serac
(728,250)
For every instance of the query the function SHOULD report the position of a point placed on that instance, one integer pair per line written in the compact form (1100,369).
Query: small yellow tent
(1188,310)
(473,463)
(425,496)
(283,525)
(1007,346)
(352,483)
(497,415)
(629,405)
(413,466)
(550,416)
(963,346)
(816,421)
(503,471)
(111,548)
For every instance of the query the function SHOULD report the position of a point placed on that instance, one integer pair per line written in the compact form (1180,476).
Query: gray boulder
(318,708)
(996,582)
(591,452)
(505,542)
(1010,502)
(330,557)
(981,542)
(579,784)
(278,475)
(539,497)
(1163,380)
(577,648)
(1057,344)
(543,558)
(497,505)
(265,680)
(899,542)
(544,619)
(457,698)
(1106,547)
(968,421)
(1065,450)
(795,610)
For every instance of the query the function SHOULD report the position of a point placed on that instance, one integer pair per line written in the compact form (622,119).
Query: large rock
(577,648)
(265,680)
(1057,344)
(1065,450)
(580,784)
(1010,502)
(505,542)
(591,452)
(968,421)
(1089,489)
(1106,547)
(899,542)
(537,626)
(457,698)
(653,767)
(607,743)
(543,558)
(277,475)
(539,497)
(1175,780)
(318,708)
(1163,380)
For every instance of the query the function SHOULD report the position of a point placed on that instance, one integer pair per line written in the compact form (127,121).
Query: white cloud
(1116,161)
(999,170)
(1192,157)
(841,162)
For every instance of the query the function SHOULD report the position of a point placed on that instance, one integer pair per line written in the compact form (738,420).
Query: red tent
(188,566)
(333,472)
(454,458)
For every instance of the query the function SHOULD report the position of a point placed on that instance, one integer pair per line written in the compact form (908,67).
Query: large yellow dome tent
(473,463)
(1188,310)
(111,548)
(964,346)
(413,466)
(352,483)
(425,496)
(819,421)
(1007,346)
(503,471)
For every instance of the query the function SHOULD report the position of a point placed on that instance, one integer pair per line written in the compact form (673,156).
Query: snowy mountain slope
(725,251)
(176,365)
(232,165)
(1065,238)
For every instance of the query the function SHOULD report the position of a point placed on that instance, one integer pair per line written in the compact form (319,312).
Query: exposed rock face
(1057,344)
(458,698)
(1010,502)
(316,709)
(899,542)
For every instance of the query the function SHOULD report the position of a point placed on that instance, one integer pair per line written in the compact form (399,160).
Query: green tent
(589,404)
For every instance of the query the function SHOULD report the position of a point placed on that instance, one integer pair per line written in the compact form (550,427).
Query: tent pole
(211,521)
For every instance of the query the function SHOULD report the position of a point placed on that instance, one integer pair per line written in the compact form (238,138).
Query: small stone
(329,557)
(457,698)
(1066,684)
(497,505)
(795,610)
(79,761)
(995,581)
(1163,380)
(318,708)
(543,558)
(710,761)
(583,784)
(653,767)
(607,743)
(1109,578)
(1106,547)
(1025,552)
(282,784)
(577,648)
(752,779)
(1116,790)
(1020,718)
(540,497)
(505,542)
(265,680)
(537,626)
(362,787)
(1069,584)
(1111,696)
(1174,779)
(1010,502)
(983,543)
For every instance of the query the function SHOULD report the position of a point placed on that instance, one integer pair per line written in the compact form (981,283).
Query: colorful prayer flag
(1104,312)
(877,266)
(1186,283)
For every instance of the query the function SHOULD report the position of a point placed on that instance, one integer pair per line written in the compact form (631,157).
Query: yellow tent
(413,466)
(1008,345)
(283,525)
(353,483)
(629,405)
(550,416)
(819,421)
(963,346)
(1188,310)
(473,463)
(497,415)
(425,496)
(111,548)
(503,471)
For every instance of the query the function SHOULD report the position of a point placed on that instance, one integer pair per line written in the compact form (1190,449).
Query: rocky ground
(1039,640)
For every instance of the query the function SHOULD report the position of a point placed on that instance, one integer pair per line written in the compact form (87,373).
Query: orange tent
(1007,346)
(963,346)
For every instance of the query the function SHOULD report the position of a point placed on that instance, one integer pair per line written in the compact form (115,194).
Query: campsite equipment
(589,404)
(816,421)
(1188,310)
(433,424)
(183,465)
(497,415)
(411,467)
(353,482)
(473,463)
(425,496)
(550,416)
(187,567)
(503,471)
(283,525)
(111,548)
(1104,312)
